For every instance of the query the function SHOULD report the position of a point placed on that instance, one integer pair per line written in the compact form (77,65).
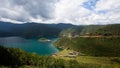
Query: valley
(59,33)
(93,46)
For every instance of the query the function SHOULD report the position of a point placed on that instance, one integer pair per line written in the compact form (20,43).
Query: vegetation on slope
(80,30)
(102,62)
(16,58)
(95,44)
(101,46)
(72,31)
(87,30)
(12,57)
(108,30)
(92,30)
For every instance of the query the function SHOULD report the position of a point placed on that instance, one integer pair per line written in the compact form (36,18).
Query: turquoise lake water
(30,45)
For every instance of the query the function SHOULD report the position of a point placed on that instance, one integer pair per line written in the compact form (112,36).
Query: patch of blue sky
(102,12)
(90,4)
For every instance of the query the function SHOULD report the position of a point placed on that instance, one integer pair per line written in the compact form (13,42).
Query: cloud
(108,4)
(57,11)
(70,11)
(110,11)
(10,20)
(24,10)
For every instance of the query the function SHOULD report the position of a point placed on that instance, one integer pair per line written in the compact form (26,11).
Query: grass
(100,52)
(91,59)
(104,62)
(64,52)
(94,46)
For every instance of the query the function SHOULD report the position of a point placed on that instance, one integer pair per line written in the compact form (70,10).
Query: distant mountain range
(31,30)
(35,30)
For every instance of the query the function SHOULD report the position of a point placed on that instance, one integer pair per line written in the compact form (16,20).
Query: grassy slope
(113,29)
(15,58)
(101,46)
(35,61)
(105,48)
(96,62)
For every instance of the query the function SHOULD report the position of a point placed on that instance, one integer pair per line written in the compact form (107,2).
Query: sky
(78,12)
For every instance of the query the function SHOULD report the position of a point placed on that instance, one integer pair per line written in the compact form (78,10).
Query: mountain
(94,40)
(111,29)
(72,31)
(31,30)
(80,30)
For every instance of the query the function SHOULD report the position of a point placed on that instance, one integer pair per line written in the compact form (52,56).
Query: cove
(30,45)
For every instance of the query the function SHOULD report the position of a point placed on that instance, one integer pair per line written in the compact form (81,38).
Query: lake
(30,45)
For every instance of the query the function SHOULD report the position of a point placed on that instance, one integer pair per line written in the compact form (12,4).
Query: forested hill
(108,30)
(113,29)
(31,30)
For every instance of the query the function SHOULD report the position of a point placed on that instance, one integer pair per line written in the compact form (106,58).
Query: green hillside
(16,58)
(80,30)
(92,30)
(95,40)
(101,46)
(108,30)
(94,43)
(87,30)
(72,31)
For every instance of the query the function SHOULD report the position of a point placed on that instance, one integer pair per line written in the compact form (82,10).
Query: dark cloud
(42,8)
(22,10)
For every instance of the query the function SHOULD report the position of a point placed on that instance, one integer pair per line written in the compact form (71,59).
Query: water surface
(30,45)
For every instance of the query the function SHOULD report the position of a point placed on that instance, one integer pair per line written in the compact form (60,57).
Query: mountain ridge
(31,30)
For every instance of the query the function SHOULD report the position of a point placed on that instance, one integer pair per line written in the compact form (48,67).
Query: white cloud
(111,9)
(108,5)
(60,11)
(70,11)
